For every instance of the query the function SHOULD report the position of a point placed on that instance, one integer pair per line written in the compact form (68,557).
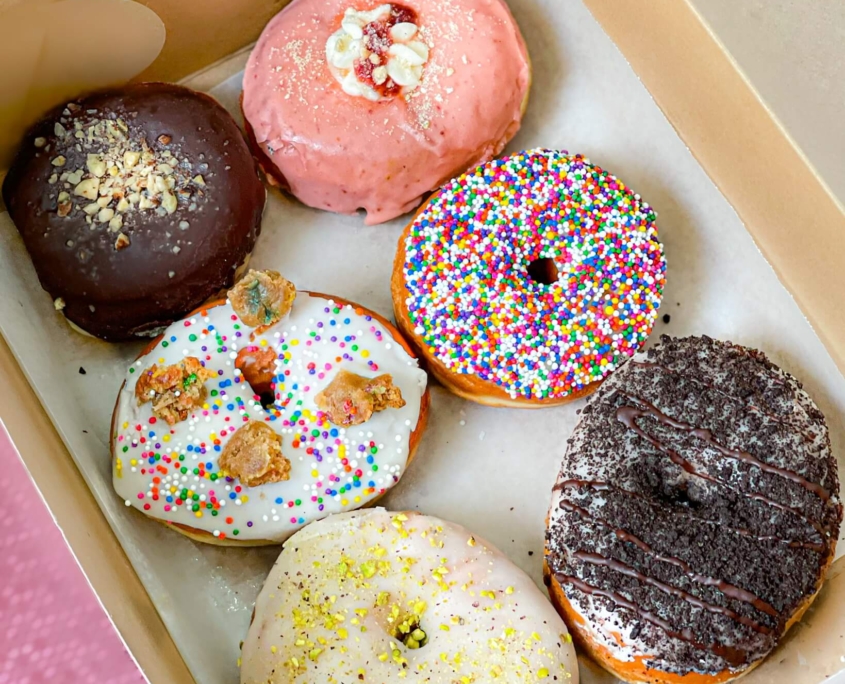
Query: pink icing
(343,153)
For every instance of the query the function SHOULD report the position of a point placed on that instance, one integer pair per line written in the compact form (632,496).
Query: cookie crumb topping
(262,298)
(173,390)
(351,399)
(254,456)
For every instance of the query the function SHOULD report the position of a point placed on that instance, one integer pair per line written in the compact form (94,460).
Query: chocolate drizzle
(696,508)
(809,431)
(597,559)
(731,654)
(602,486)
(628,415)
(726,588)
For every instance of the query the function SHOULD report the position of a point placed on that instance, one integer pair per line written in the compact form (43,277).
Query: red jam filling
(378,41)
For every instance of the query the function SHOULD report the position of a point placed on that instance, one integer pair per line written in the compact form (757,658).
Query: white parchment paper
(489,469)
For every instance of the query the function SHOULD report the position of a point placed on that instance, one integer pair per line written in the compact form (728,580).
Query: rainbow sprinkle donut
(526,281)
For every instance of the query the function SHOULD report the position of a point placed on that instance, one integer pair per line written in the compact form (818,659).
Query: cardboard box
(787,209)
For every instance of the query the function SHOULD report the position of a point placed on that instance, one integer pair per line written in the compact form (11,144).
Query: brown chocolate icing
(696,507)
(122,268)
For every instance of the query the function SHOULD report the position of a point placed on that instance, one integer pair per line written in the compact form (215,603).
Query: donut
(136,205)
(695,515)
(354,105)
(374,596)
(197,442)
(527,280)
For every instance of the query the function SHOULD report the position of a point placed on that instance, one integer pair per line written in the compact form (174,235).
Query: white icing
(271,508)
(322,615)
(403,61)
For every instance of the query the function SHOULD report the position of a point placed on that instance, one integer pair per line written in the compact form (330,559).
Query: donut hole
(409,631)
(681,493)
(543,271)
(258,367)
(268,399)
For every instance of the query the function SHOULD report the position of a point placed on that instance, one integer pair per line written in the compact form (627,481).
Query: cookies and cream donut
(695,514)
(374,596)
(136,205)
(527,280)
(357,105)
(204,441)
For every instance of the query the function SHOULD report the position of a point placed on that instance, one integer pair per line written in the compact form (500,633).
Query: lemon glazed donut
(695,515)
(266,411)
(352,104)
(527,280)
(373,596)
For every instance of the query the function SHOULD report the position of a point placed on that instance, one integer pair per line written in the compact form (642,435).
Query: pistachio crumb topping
(376,587)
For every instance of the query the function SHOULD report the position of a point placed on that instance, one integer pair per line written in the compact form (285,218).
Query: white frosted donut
(171,472)
(374,596)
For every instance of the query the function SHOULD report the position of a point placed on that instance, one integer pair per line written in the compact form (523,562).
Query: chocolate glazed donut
(695,515)
(136,205)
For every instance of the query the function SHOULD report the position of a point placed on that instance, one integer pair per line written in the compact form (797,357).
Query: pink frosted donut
(355,105)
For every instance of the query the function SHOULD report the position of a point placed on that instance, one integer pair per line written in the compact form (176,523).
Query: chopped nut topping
(262,298)
(58,304)
(122,242)
(173,390)
(351,399)
(64,208)
(96,165)
(254,456)
(88,188)
(168,201)
(119,170)
(73,178)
